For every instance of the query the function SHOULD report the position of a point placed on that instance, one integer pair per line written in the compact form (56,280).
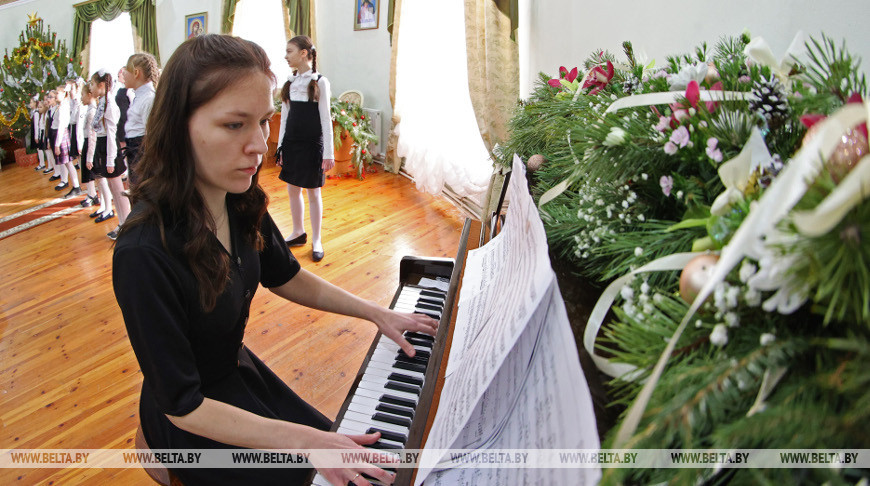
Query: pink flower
(599,78)
(670,148)
(663,124)
(713,152)
(680,136)
(563,74)
(667,183)
(744,79)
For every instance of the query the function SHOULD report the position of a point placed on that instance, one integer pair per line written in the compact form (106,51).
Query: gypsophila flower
(627,293)
(732,319)
(679,194)
(638,251)
(644,176)
(698,323)
(641,217)
(658,298)
(615,137)
(648,308)
(747,270)
(767,338)
(644,287)
(719,336)
(752,297)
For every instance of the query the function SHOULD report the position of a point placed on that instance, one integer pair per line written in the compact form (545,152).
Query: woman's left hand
(393,324)
(328,164)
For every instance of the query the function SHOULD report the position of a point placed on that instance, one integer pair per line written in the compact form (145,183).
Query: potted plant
(352,132)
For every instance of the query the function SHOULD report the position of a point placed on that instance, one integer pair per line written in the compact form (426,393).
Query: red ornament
(362,117)
(354,123)
(364,151)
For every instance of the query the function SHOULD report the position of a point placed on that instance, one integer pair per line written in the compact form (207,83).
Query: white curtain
(438,134)
(262,21)
(111,44)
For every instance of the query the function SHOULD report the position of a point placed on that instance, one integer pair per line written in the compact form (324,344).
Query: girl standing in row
(85,126)
(105,161)
(306,151)
(60,127)
(141,76)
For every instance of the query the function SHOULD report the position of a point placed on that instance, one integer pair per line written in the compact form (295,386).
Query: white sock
(316,213)
(62,170)
(297,209)
(92,191)
(105,195)
(41,155)
(73,174)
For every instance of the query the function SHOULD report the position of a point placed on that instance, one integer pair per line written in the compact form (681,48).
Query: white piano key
(320,481)
(377,387)
(351,427)
(363,418)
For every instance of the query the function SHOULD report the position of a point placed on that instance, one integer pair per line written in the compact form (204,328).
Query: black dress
(187,354)
(302,146)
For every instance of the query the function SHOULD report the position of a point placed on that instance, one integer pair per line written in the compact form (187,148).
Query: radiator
(376,118)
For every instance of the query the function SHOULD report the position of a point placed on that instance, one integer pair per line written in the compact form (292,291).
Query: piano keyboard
(385,399)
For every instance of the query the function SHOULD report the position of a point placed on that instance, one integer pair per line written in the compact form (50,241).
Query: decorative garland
(20,111)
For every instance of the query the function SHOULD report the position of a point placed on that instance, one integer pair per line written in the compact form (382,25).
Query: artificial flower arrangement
(722,200)
(351,122)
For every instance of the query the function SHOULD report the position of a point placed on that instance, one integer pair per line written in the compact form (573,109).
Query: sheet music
(513,379)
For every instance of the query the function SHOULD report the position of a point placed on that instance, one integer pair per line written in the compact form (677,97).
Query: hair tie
(313,48)
(101,72)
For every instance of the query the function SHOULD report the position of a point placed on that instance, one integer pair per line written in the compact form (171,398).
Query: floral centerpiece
(719,197)
(352,126)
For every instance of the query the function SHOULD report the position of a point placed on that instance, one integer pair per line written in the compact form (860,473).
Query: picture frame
(366,14)
(195,25)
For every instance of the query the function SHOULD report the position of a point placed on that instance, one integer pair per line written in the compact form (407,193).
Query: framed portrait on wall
(365,14)
(195,25)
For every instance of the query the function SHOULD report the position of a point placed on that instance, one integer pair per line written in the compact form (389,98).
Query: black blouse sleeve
(150,295)
(277,264)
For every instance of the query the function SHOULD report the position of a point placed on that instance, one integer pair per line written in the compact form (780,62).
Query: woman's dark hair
(303,42)
(200,69)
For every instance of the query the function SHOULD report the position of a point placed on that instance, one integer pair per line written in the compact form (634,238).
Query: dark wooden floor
(68,377)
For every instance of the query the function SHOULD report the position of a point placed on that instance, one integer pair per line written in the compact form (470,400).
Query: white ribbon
(759,51)
(785,191)
(848,194)
(624,371)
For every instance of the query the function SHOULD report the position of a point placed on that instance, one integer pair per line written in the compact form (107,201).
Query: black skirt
(302,147)
(100,156)
(73,142)
(87,174)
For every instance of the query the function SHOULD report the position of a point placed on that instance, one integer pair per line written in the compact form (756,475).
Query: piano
(398,395)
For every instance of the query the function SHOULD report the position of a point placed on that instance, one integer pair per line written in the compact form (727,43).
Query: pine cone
(769,100)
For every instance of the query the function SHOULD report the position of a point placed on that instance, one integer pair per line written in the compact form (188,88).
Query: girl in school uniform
(50,135)
(62,160)
(141,75)
(35,117)
(306,151)
(86,120)
(74,103)
(42,134)
(105,161)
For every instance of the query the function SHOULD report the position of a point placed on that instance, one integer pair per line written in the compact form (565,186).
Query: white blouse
(299,92)
(106,126)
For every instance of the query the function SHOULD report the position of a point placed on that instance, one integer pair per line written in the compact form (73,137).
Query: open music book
(513,376)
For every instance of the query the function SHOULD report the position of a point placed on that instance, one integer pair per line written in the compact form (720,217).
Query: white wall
(357,60)
(171,25)
(565,32)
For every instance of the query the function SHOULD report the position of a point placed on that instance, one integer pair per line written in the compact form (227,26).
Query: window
(111,44)
(262,21)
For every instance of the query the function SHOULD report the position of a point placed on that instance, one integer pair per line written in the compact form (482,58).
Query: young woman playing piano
(189,259)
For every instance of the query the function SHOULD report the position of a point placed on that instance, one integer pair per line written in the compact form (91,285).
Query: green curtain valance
(143,16)
(511,9)
(229,16)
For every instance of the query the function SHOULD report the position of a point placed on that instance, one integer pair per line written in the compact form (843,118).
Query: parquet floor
(68,377)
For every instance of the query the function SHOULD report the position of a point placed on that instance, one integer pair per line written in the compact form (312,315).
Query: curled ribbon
(759,51)
(735,173)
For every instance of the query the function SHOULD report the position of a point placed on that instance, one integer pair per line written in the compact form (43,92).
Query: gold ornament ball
(847,154)
(535,162)
(695,274)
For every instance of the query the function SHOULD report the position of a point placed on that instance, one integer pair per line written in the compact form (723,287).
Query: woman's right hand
(331,447)
(90,165)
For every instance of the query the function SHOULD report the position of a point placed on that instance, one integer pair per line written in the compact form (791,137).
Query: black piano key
(433,315)
(384,446)
(401,411)
(402,387)
(403,402)
(405,379)
(419,342)
(421,353)
(427,300)
(386,434)
(402,365)
(392,419)
(415,360)
(433,293)
(424,306)
(420,335)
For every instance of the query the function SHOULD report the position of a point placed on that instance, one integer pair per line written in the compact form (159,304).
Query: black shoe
(47,171)
(77,167)
(298,241)
(54,178)
(94,214)
(61,186)
(87,202)
(317,255)
(75,191)
(105,216)
(113,235)
(95,200)
(39,168)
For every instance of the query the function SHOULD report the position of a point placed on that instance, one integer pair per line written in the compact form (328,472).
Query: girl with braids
(62,158)
(190,258)
(87,111)
(306,150)
(103,148)
(141,76)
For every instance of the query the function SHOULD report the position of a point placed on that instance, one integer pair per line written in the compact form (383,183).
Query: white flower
(719,336)
(679,194)
(615,137)
(644,287)
(767,338)
(627,293)
(698,323)
(732,319)
(747,270)
(688,73)
(641,217)
(638,251)
(644,176)
(752,297)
